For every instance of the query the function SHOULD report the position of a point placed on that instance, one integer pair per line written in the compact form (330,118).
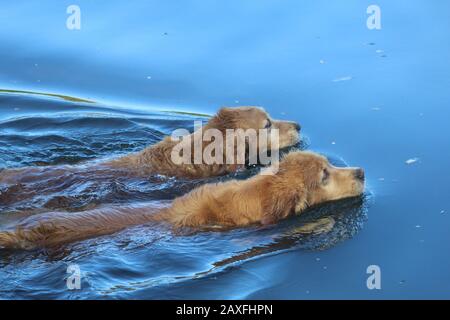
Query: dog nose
(297,126)
(359,174)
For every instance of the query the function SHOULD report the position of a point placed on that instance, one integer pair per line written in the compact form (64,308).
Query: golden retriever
(157,159)
(302,180)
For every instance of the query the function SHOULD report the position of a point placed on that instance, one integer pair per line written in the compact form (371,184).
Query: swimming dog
(302,180)
(159,158)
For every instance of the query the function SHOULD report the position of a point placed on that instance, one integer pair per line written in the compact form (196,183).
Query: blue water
(372,98)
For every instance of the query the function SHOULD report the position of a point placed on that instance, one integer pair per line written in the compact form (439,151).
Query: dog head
(305,179)
(256,118)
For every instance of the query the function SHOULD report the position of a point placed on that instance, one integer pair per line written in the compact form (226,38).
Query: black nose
(359,174)
(297,126)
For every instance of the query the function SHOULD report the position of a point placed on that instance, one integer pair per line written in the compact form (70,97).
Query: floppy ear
(224,119)
(281,200)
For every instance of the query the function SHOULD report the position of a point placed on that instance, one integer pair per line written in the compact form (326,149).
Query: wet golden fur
(157,159)
(303,179)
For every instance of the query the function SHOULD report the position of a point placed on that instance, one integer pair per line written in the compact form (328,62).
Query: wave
(146,261)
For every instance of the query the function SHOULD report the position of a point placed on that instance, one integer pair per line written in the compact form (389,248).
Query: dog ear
(224,119)
(226,115)
(281,200)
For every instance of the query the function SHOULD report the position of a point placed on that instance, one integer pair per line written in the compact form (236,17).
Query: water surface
(369,98)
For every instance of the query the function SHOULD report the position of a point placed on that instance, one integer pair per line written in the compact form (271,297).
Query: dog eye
(268,124)
(325,176)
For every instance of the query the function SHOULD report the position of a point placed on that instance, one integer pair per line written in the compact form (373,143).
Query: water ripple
(142,262)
